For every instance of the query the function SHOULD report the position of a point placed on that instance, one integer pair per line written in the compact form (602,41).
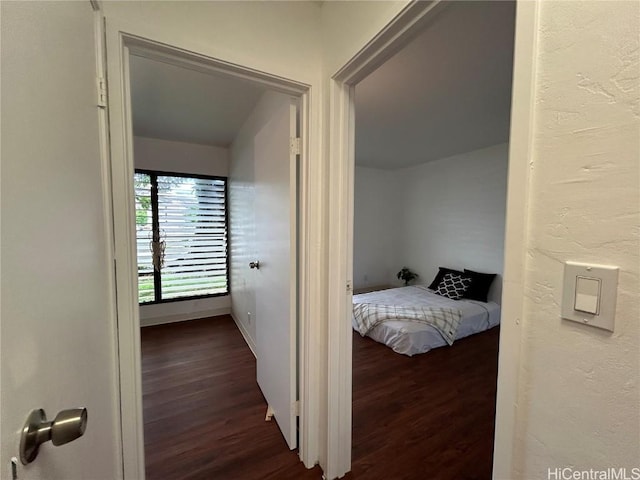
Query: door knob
(66,427)
(255,265)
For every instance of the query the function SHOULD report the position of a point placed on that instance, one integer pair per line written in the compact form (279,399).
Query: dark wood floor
(203,411)
(429,416)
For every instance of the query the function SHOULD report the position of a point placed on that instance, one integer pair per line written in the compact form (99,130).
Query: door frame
(396,34)
(120,46)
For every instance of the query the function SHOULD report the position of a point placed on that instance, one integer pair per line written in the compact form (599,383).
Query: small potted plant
(407,275)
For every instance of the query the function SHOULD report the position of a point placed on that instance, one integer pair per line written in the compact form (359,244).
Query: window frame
(154,208)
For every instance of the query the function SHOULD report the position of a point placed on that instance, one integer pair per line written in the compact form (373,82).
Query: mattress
(409,338)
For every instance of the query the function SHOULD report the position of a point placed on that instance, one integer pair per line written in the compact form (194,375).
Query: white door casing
(400,29)
(276,279)
(121,43)
(58,324)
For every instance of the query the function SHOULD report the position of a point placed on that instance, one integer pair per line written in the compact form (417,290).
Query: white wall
(376,227)
(242,214)
(349,25)
(448,212)
(181,157)
(453,214)
(579,392)
(184,310)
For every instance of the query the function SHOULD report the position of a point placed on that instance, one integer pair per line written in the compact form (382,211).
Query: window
(181,233)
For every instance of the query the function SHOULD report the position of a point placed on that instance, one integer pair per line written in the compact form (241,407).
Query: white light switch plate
(604,306)
(588,295)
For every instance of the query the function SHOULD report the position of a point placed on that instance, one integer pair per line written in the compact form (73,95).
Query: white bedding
(411,338)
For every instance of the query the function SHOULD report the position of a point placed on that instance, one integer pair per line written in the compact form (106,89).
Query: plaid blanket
(444,320)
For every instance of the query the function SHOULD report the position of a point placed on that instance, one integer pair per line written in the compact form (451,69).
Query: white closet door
(276,279)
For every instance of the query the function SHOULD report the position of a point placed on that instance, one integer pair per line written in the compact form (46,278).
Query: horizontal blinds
(144,236)
(192,223)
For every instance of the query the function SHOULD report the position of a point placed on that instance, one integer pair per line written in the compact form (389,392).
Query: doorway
(269,99)
(431,157)
(406,26)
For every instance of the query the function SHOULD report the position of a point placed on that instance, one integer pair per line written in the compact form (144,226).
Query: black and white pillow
(453,285)
(442,271)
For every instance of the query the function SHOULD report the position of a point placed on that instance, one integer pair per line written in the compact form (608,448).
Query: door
(57,332)
(276,278)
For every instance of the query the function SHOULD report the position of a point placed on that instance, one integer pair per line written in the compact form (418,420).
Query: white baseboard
(245,335)
(182,317)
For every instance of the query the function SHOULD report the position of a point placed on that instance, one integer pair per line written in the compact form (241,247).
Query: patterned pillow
(453,285)
(442,271)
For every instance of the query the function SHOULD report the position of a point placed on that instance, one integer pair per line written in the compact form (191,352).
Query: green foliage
(141,216)
(143,202)
(407,275)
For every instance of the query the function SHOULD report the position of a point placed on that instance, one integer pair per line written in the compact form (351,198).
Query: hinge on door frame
(349,286)
(296,408)
(101,84)
(294,145)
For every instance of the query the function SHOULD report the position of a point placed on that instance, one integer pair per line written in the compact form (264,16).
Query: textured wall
(579,398)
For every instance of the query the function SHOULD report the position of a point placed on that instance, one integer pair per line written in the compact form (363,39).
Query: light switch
(587,295)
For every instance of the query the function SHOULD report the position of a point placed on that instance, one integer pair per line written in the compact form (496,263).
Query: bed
(411,337)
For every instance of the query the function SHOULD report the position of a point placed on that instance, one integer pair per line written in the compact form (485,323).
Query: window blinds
(189,225)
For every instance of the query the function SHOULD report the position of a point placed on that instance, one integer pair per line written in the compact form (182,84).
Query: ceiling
(175,103)
(447,92)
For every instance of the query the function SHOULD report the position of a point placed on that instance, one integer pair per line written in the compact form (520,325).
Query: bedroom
(430,192)
(214,174)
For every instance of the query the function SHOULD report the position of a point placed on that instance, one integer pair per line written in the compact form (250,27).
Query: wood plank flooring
(430,416)
(426,417)
(203,410)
